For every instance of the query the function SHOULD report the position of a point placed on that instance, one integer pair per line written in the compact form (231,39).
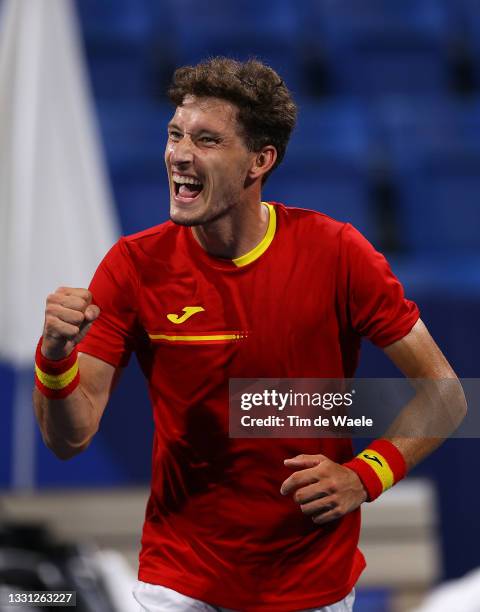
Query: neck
(236,233)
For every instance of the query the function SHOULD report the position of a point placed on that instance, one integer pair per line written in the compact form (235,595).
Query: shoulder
(317,234)
(151,235)
(317,224)
(151,242)
(306,217)
(130,253)
(309,225)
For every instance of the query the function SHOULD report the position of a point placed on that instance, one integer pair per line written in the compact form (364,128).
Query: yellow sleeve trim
(59,381)
(266,241)
(379,464)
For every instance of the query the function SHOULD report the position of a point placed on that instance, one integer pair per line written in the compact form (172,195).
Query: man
(233,287)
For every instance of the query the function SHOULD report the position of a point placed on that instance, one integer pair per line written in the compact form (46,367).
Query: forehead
(207,113)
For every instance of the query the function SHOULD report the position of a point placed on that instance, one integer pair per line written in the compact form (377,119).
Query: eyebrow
(210,132)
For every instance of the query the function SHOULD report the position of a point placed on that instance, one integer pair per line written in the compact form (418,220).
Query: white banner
(56,215)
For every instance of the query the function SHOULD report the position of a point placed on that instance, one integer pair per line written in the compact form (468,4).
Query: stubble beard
(206,218)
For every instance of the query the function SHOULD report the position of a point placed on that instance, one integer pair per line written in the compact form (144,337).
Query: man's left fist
(325,490)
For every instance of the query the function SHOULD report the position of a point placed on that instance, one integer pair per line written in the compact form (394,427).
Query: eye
(174,135)
(209,140)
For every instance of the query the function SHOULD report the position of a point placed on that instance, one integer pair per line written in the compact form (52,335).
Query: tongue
(188,191)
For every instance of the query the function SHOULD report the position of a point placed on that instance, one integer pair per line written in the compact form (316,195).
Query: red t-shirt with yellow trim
(216,526)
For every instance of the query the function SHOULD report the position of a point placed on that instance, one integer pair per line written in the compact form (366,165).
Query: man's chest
(258,322)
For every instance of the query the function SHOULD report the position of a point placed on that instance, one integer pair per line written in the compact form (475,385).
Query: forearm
(68,424)
(439,405)
(433,414)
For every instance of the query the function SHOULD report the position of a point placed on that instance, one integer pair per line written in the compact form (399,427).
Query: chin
(183,217)
(184,222)
(187,216)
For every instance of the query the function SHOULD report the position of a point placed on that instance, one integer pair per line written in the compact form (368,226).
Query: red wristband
(56,379)
(379,467)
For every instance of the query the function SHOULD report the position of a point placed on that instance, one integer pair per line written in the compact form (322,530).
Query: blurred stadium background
(388,138)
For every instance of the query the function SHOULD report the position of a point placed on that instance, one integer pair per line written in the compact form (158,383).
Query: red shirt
(216,526)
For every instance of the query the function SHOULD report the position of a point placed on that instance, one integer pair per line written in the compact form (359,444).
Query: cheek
(233,172)
(168,151)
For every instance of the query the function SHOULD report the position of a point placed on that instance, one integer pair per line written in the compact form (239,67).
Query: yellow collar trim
(266,241)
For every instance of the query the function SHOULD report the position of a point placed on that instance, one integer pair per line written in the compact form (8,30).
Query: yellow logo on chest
(188,312)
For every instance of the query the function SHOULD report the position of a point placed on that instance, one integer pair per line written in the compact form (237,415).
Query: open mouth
(187,188)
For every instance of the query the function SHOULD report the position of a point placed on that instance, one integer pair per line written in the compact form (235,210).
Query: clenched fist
(69,314)
(323,489)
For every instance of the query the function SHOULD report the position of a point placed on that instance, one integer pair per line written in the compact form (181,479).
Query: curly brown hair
(267,112)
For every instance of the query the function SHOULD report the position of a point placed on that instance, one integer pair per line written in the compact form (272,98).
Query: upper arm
(418,356)
(113,336)
(97,381)
(375,303)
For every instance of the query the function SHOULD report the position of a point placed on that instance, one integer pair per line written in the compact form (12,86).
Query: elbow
(65,451)
(458,400)
(462,401)
(64,454)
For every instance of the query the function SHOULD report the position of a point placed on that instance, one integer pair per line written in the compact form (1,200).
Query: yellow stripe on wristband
(380,465)
(59,381)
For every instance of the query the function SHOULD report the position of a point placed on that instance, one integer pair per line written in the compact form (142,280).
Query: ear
(262,162)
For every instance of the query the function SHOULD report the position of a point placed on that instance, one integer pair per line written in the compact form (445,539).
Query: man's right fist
(69,314)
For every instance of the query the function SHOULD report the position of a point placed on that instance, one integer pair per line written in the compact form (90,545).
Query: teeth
(185,180)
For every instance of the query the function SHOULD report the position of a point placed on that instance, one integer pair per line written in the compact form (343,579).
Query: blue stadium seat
(142,200)
(126,42)
(378,46)
(326,167)
(372,600)
(434,147)
(115,21)
(134,137)
(241,29)
(134,133)
(469,29)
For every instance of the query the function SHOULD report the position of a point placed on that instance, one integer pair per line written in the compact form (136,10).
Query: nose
(181,152)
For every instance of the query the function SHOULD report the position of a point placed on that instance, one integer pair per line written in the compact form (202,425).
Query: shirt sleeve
(114,289)
(377,307)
